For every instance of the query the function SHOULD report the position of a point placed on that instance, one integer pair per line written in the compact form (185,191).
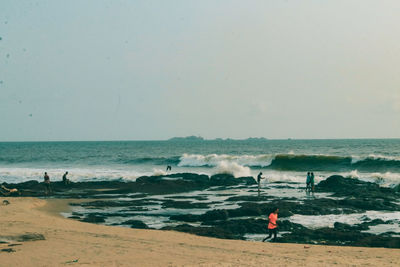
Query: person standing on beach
(272,224)
(47,183)
(259,177)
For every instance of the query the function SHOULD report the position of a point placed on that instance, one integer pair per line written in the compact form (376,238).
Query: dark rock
(93,218)
(368,204)
(247,180)
(324,206)
(285,208)
(9,250)
(29,237)
(253,226)
(185,218)
(286,225)
(74,217)
(397,188)
(229,180)
(136,224)
(234,229)
(346,227)
(159,185)
(242,227)
(28,184)
(214,215)
(353,187)
(14,245)
(375,222)
(337,183)
(166,184)
(249,209)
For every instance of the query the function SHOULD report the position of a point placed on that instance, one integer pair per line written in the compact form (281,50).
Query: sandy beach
(68,242)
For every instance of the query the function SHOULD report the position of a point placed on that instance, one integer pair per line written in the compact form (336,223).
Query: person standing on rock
(65,179)
(47,183)
(312,182)
(272,224)
(308,182)
(259,177)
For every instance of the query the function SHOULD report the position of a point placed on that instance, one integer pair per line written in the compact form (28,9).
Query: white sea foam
(355,159)
(352,174)
(318,221)
(232,168)
(384,179)
(383,157)
(212,160)
(17,175)
(383,228)
(159,172)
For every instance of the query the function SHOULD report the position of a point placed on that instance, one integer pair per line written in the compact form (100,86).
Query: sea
(376,160)
(284,164)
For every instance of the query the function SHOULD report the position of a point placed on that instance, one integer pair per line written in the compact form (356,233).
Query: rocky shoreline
(222,206)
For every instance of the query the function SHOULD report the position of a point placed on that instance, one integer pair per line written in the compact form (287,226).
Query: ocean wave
(213,160)
(309,162)
(283,162)
(377,163)
(150,160)
(373,157)
(296,162)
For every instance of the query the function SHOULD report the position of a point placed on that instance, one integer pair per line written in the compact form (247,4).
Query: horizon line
(204,139)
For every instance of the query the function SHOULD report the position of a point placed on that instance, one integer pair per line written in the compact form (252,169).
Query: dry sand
(72,243)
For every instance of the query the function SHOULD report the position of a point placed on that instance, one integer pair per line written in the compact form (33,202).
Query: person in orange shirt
(272,225)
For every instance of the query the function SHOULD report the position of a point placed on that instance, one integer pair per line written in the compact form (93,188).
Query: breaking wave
(212,160)
(232,168)
(296,162)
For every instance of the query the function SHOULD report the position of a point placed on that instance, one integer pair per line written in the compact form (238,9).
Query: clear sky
(134,70)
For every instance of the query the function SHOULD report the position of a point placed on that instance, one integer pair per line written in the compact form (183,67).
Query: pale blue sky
(134,70)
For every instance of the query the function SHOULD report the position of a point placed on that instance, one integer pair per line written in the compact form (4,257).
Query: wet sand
(72,243)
